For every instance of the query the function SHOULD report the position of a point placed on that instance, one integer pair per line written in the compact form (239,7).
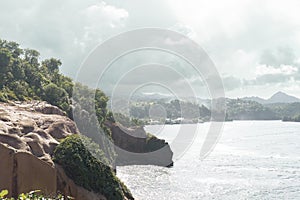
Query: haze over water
(252,160)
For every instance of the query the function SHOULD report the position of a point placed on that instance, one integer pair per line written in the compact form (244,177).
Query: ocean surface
(252,160)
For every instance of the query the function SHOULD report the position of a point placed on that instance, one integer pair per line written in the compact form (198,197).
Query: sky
(254,44)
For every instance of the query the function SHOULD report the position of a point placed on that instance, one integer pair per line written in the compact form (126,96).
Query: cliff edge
(29,134)
(136,147)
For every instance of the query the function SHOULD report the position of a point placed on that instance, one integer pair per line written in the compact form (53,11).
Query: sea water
(252,160)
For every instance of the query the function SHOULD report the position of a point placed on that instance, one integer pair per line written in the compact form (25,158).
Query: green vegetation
(292,119)
(33,195)
(86,170)
(23,77)
(174,109)
(90,114)
(238,109)
(286,111)
(127,121)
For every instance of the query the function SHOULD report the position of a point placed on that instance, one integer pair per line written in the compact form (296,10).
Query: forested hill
(236,109)
(239,109)
(23,77)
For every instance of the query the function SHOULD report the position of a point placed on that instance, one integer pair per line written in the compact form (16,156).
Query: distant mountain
(256,99)
(151,97)
(279,97)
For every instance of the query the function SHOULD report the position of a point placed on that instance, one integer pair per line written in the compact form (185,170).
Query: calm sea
(252,160)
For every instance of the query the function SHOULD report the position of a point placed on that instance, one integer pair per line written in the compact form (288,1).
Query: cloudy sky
(254,44)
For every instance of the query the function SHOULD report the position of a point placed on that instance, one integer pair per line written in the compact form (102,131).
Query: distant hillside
(281,97)
(278,97)
(151,96)
(290,110)
(238,109)
(256,99)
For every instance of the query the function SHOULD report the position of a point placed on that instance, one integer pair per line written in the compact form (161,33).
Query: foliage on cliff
(87,170)
(90,113)
(24,77)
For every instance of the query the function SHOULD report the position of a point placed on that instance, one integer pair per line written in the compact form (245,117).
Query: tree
(55,95)
(32,56)
(5,61)
(52,65)
(12,47)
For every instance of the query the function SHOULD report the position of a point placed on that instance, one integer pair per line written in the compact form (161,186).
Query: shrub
(33,195)
(86,170)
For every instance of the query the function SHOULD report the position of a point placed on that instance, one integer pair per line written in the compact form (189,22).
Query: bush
(55,95)
(86,170)
(3,97)
(33,195)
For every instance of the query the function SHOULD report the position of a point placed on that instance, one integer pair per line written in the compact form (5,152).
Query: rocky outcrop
(23,172)
(129,139)
(29,133)
(25,128)
(135,147)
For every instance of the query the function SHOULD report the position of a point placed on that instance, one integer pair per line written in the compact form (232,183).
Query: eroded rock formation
(29,133)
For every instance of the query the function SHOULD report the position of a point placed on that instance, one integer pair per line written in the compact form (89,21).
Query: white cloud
(210,18)
(282,69)
(103,13)
(98,20)
(185,30)
(67,30)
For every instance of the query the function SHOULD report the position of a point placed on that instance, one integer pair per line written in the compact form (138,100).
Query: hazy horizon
(162,94)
